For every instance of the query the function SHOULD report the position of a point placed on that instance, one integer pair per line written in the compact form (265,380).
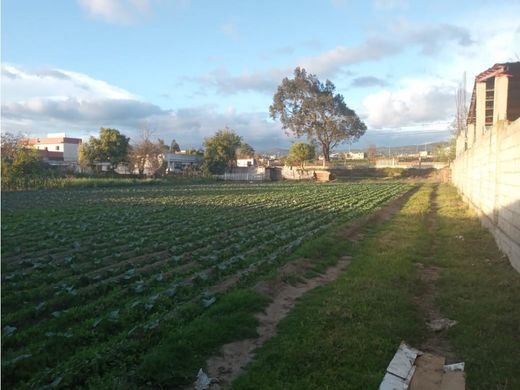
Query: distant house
(246,162)
(178,162)
(355,155)
(56,147)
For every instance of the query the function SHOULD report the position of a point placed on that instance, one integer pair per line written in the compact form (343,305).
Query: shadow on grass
(343,335)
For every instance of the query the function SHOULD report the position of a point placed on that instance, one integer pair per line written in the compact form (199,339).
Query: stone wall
(488,176)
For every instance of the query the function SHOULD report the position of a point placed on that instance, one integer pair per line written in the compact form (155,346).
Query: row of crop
(120,257)
(249,241)
(138,238)
(77,335)
(45,346)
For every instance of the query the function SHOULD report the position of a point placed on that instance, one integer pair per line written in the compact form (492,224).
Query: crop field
(93,279)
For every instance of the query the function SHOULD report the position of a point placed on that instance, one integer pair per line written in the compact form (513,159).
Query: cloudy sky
(185,68)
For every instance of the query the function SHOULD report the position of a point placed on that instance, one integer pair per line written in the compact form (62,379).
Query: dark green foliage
(111,146)
(220,151)
(299,153)
(174,147)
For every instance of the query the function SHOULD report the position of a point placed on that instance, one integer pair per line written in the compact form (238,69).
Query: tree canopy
(174,147)
(299,153)
(220,151)
(245,151)
(165,148)
(18,160)
(146,155)
(111,146)
(308,107)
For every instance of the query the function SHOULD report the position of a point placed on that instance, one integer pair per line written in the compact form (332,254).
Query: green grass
(478,288)
(184,350)
(343,335)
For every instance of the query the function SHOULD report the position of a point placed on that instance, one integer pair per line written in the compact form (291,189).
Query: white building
(246,162)
(58,145)
(177,162)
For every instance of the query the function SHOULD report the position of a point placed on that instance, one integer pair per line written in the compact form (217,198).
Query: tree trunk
(326,154)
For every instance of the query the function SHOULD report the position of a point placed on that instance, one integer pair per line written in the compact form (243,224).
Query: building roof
(50,141)
(182,157)
(507,69)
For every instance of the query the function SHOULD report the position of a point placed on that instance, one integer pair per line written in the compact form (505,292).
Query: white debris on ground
(411,369)
(441,324)
(203,381)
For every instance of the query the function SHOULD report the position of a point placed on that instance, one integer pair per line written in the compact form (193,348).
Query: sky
(184,69)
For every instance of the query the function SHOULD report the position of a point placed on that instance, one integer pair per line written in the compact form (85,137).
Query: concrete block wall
(488,177)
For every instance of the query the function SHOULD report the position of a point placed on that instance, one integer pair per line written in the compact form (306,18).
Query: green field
(102,286)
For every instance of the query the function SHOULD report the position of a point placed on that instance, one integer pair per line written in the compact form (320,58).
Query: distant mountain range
(393,150)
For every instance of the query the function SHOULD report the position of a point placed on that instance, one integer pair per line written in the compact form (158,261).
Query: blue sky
(185,69)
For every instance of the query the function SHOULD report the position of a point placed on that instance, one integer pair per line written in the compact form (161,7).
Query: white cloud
(19,84)
(57,97)
(416,102)
(53,100)
(430,39)
(117,11)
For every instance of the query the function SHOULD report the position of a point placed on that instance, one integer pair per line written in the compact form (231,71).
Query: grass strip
(342,335)
(479,289)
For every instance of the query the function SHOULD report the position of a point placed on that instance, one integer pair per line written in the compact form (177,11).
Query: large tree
(220,150)
(308,107)
(111,146)
(299,153)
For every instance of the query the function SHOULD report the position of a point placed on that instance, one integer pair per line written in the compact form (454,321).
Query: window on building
(490,100)
(58,147)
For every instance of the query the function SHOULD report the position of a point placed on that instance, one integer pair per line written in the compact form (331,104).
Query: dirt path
(233,357)
(437,341)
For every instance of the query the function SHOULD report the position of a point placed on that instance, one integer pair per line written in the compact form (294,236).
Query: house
(246,162)
(56,147)
(178,162)
(355,155)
